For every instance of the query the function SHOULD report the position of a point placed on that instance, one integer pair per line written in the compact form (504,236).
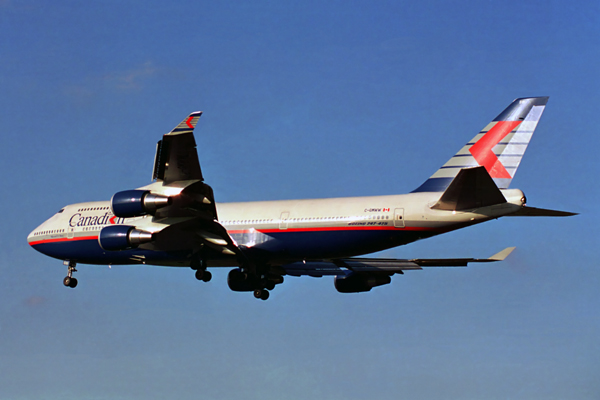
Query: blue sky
(300,100)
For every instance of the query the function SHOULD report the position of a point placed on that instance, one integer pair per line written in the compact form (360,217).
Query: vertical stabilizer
(499,147)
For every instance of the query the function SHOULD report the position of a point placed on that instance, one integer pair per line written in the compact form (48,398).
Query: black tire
(67,281)
(73,283)
(264,295)
(200,274)
(207,276)
(270,285)
(258,293)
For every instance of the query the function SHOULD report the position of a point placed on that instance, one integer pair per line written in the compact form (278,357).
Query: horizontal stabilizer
(540,212)
(471,188)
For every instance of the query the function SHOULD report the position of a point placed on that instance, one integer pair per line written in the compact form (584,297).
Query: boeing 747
(175,221)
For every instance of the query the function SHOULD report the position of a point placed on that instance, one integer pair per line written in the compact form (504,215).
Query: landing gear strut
(201,273)
(69,281)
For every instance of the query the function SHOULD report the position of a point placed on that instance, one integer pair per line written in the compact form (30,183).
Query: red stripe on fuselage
(338,228)
(237,231)
(63,240)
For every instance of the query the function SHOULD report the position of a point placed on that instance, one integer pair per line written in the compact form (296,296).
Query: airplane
(174,221)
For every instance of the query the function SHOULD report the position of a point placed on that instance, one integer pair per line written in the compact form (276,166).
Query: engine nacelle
(356,282)
(135,203)
(122,237)
(240,282)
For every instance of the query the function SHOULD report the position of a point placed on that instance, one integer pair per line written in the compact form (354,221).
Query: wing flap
(194,234)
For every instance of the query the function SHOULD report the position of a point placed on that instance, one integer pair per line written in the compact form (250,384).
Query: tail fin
(499,147)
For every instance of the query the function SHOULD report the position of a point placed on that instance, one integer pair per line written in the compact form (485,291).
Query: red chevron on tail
(482,150)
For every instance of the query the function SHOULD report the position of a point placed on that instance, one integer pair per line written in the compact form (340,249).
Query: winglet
(187,125)
(176,156)
(500,256)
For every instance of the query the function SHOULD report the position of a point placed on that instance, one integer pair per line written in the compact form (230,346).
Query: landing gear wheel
(203,275)
(270,285)
(262,294)
(70,282)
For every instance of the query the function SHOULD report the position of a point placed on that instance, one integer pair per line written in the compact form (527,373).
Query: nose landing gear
(69,281)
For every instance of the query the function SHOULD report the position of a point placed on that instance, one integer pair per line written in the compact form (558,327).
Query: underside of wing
(206,238)
(345,266)
(354,275)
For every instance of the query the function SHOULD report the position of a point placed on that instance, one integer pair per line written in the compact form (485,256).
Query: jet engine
(356,282)
(135,203)
(122,237)
(240,282)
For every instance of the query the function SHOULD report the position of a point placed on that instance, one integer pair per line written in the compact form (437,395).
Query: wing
(176,156)
(196,233)
(345,266)
(176,165)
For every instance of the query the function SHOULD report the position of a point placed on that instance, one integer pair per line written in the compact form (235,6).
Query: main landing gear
(259,285)
(262,294)
(201,273)
(69,281)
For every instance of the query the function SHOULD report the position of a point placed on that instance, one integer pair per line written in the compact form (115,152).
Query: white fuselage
(285,231)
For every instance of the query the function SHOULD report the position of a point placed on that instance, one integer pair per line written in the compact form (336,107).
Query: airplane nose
(31,237)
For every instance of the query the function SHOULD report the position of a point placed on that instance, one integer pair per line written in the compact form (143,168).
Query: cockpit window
(61,210)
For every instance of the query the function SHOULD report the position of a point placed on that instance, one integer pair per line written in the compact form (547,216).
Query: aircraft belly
(332,243)
(88,251)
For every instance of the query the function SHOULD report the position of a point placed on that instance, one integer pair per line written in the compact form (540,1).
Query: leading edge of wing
(461,262)
(344,266)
